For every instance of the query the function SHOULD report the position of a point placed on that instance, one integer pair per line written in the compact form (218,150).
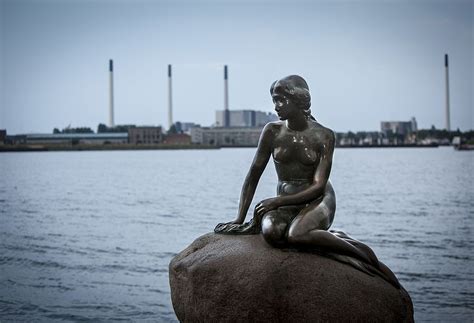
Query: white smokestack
(448,117)
(226,99)
(170,99)
(111,93)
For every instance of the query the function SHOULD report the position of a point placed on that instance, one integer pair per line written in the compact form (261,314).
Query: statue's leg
(356,243)
(275,225)
(387,274)
(309,229)
(299,235)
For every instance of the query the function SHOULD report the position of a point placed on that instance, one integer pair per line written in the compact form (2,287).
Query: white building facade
(244,118)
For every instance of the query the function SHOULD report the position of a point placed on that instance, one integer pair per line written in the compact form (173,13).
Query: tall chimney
(111,93)
(226,99)
(448,118)
(170,99)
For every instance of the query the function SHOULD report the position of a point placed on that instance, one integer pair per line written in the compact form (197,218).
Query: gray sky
(365,61)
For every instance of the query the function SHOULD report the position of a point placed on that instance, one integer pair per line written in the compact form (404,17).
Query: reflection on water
(89,235)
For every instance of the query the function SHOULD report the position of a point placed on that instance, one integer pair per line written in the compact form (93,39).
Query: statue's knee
(273,231)
(295,235)
(298,235)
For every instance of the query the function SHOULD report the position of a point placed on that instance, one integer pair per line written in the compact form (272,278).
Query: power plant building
(399,127)
(243,118)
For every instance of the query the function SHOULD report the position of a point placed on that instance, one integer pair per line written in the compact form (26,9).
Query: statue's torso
(296,155)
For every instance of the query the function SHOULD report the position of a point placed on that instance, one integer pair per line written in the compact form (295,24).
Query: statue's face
(284,107)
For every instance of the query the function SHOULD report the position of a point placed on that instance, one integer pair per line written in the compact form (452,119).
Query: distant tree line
(173,129)
(421,134)
(102,128)
(74,130)
(444,134)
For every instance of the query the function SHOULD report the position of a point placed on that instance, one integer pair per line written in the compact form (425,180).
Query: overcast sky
(365,61)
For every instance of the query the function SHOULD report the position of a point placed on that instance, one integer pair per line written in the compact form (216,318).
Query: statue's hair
(295,88)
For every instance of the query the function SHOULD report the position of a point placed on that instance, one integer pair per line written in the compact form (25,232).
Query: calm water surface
(87,236)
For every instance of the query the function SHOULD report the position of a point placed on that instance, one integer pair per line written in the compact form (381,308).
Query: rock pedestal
(225,278)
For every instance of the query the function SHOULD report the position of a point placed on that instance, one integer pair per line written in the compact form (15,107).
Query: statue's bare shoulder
(325,136)
(274,126)
(272,129)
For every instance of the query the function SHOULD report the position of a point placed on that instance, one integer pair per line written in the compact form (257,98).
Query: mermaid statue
(302,212)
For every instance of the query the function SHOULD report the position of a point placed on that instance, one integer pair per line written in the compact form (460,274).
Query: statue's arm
(256,169)
(315,190)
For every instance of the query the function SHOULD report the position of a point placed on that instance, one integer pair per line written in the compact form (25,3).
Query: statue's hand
(266,205)
(227,225)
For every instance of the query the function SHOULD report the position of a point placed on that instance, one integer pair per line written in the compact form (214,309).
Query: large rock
(225,278)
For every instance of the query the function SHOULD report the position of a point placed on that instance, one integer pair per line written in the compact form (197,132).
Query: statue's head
(295,89)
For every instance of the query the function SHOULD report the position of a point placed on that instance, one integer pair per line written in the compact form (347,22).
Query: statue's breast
(307,156)
(282,154)
(298,150)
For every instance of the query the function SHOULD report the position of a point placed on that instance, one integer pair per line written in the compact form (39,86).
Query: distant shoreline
(89,147)
(391,146)
(110,147)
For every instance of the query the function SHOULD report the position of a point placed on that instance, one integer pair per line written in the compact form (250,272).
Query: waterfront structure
(226,137)
(111,93)
(362,138)
(15,139)
(145,135)
(448,117)
(177,139)
(3,135)
(243,118)
(76,138)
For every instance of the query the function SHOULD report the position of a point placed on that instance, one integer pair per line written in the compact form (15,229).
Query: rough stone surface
(224,278)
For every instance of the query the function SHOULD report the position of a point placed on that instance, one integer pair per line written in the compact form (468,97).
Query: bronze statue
(303,210)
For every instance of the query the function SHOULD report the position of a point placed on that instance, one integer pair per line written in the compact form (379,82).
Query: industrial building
(226,137)
(145,135)
(244,118)
(177,139)
(403,128)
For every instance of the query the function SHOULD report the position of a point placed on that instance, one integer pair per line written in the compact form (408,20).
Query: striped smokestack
(111,93)
(226,99)
(170,98)
(448,117)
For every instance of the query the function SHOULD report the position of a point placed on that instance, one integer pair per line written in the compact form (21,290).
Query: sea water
(88,236)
